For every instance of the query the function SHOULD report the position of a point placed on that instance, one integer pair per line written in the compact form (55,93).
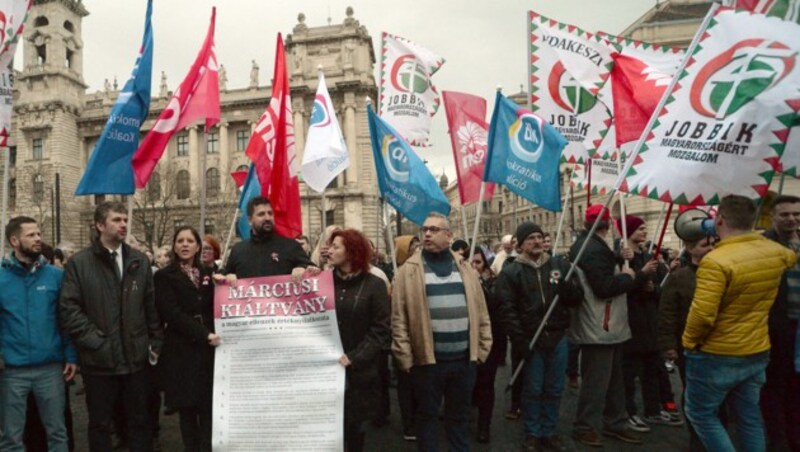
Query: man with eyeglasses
(440,331)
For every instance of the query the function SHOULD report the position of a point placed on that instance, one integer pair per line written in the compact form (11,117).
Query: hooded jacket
(401,247)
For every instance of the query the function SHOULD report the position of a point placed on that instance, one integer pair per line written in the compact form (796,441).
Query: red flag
(272,150)
(636,89)
(239,177)
(468,134)
(197,97)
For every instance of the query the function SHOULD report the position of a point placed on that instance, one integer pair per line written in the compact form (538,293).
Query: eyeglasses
(433,229)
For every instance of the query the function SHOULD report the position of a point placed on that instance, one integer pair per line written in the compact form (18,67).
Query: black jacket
(112,324)
(524,294)
(643,309)
(363,312)
(598,263)
(270,256)
(782,329)
(186,365)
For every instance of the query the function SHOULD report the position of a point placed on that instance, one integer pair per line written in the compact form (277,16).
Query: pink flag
(272,150)
(239,177)
(636,88)
(197,97)
(468,133)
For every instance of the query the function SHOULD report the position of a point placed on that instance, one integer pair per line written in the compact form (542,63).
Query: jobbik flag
(784,9)
(408,98)
(725,125)
(604,175)
(466,121)
(12,22)
(790,160)
(325,155)
(404,180)
(109,170)
(524,154)
(568,67)
(197,97)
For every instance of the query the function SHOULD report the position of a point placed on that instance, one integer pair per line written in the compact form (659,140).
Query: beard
(265,229)
(29,252)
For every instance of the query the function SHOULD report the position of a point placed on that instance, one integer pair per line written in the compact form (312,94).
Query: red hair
(214,244)
(359,252)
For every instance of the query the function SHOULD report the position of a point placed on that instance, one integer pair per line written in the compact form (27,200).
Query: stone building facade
(56,124)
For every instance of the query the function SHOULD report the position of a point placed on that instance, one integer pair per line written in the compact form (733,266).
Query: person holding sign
(185,303)
(362,310)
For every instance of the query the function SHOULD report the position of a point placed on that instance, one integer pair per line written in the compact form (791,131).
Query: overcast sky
(483,42)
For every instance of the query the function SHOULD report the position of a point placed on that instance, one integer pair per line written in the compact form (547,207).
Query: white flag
(325,155)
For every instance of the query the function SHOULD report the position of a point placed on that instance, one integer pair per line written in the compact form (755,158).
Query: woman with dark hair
(362,309)
(185,301)
(483,395)
(210,252)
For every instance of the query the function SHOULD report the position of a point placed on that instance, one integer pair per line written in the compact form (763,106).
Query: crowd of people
(724,311)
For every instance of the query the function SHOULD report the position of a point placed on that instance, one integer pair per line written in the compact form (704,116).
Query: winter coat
(525,292)
(29,330)
(643,309)
(499,340)
(781,327)
(271,256)
(401,248)
(113,324)
(186,365)
(736,286)
(362,311)
(412,335)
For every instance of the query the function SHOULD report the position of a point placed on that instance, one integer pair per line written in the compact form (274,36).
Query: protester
(780,397)
(210,253)
(726,336)
(362,310)
(600,327)
(37,359)
(185,302)
(320,254)
(676,298)
(461,248)
(266,253)
(162,258)
(59,260)
(305,244)
(525,290)
(107,307)
(440,330)
(507,250)
(547,245)
(484,382)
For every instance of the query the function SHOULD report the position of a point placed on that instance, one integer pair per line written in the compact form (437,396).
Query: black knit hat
(526,229)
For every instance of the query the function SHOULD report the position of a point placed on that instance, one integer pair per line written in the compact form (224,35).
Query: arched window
(12,193)
(154,187)
(212,183)
(41,21)
(69,27)
(242,168)
(38,189)
(183,184)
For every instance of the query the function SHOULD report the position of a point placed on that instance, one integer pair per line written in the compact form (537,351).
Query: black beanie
(526,229)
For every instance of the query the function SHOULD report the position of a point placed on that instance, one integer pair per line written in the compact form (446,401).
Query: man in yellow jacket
(726,337)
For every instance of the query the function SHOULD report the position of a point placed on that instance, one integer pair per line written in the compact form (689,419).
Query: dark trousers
(196,429)
(354,435)
(603,391)
(645,366)
(405,398)
(573,351)
(102,391)
(483,395)
(385,377)
(516,388)
(780,404)
(453,381)
(664,385)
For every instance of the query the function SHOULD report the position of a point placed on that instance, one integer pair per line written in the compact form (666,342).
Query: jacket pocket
(139,348)
(101,357)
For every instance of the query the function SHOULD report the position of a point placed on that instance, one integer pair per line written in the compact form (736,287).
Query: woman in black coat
(184,293)
(362,310)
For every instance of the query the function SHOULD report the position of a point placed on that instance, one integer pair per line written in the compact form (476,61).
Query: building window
(99,199)
(38,148)
(242,138)
(244,168)
(41,21)
(154,187)
(68,61)
(183,145)
(209,226)
(69,27)
(12,156)
(41,55)
(12,193)
(212,143)
(212,183)
(183,184)
(178,222)
(38,189)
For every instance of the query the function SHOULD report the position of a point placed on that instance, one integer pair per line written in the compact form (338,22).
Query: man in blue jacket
(38,359)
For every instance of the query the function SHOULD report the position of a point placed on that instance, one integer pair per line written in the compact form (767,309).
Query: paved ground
(506,435)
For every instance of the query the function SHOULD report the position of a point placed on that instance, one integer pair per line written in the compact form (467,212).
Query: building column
(299,130)
(194,160)
(350,137)
(224,157)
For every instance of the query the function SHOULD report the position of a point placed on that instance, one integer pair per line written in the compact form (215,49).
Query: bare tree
(154,208)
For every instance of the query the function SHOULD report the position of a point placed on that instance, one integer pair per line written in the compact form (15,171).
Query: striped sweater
(448,310)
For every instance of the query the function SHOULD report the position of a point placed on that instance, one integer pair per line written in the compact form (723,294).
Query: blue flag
(404,180)
(250,189)
(109,170)
(524,153)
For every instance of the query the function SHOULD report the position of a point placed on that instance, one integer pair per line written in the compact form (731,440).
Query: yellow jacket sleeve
(712,280)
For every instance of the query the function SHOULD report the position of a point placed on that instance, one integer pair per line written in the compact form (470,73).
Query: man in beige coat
(440,331)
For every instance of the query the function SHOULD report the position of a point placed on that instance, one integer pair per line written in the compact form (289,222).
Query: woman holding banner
(362,310)
(184,292)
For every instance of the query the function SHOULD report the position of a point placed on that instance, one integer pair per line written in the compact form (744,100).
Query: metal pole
(658,226)
(324,210)
(560,224)
(389,237)
(129,238)
(52,214)
(477,221)
(58,209)
(6,169)
(203,145)
(780,185)
(230,237)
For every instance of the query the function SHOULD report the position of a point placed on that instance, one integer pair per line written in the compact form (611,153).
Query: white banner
(278,384)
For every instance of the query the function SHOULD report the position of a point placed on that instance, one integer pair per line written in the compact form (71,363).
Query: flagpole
(6,162)
(203,199)
(231,230)
(477,221)
(588,183)
(658,226)
(464,221)
(389,237)
(324,213)
(564,206)
(129,237)
(780,185)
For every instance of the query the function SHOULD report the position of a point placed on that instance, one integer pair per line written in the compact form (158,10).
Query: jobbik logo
(568,92)
(395,159)
(409,76)
(738,75)
(526,136)
(320,114)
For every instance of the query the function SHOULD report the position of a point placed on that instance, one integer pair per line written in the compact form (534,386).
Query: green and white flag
(726,122)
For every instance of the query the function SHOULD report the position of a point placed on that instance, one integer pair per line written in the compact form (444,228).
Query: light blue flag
(524,153)
(250,189)
(404,180)
(109,170)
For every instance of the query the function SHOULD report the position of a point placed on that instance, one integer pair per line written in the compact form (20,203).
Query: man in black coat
(525,289)
(108,309)
(266,253)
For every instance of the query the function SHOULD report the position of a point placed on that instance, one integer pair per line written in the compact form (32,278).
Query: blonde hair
(324,240)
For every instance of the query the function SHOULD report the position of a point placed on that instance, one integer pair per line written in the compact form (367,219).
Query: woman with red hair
(362,310)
